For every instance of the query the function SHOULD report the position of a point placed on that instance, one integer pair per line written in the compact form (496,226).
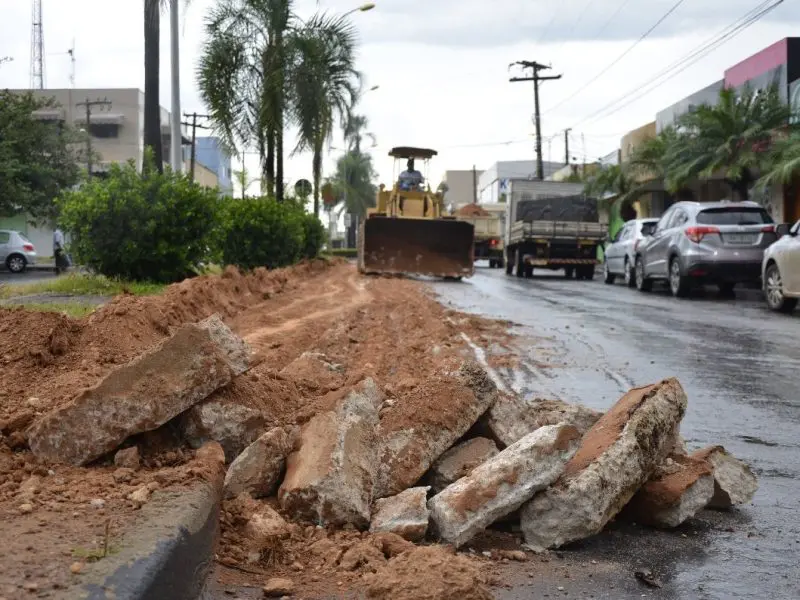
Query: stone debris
(258,469)
(616,457)
(265,526)
(330,479)
(680,488)
(236,351)
(459,461)
(405,514)
(277,587)
(314,370)
(502,484)
(127,458)
(232,425)
(138,397)
(412,439)
(734,482)
(512,417)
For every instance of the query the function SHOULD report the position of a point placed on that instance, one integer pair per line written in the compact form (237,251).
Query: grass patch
(76,310)
(81,285)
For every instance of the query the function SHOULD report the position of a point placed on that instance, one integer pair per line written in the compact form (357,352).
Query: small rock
(128,458)
(647,577)
(517,555)
(30,587)
(97,503)
(123,475)
(277,587)
(140,496)
(405,514)
(76,568)
(26,508)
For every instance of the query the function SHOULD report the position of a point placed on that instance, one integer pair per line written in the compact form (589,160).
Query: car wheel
(642,283)
(773,290)
(679,285)
(16,263)
(630,274)
(608,276)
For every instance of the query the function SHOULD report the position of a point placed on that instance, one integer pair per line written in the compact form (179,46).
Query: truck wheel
(520,265)
(589,273)
(569,272)
(528,271)
(509,267)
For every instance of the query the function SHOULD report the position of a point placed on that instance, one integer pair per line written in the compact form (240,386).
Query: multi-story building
(461,186)
(210,152)
(493,182)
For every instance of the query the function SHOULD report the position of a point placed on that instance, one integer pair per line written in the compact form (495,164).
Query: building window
(104,130)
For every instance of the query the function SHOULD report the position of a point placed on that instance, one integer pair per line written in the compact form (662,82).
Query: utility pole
(194,125)
(89,105)
(37,48)
(176,148)
(535,78)
(566,145)
(474,185)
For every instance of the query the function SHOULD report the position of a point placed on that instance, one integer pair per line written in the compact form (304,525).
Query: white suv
(781,270)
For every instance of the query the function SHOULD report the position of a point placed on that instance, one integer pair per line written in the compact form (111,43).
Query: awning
(49,114)
(101,118)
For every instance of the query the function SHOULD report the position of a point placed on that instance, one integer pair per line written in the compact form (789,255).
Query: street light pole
(176,149)
(363,8)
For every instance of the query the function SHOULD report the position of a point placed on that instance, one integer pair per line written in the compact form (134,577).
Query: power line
(614,62)
(698,53)
(574,26)
(605,25)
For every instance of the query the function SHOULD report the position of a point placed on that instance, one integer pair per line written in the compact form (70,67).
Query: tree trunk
(279,162)
(152,107)
(316,167)
(280,56)
(269,172)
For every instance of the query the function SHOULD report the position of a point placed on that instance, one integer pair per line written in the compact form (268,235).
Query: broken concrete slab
(234,426)
(459,461)
(235,350)
(314,371)
(257,470)
(680,488)
(138,397)
(616,457)
(734,482)
(512,417)
(265,526)
(502,484)
(329,480)
(415,432)
(405,514)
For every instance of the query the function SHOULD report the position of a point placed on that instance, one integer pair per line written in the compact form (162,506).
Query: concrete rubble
(734,482)
(330,479)
(459,462)
(680,488)
(503,483)
(142,395)
(411,442)
(616,457)
(258,469)
(405,515)
(512,417)
(232,425)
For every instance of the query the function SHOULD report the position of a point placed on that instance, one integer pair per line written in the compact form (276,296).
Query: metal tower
(37,48)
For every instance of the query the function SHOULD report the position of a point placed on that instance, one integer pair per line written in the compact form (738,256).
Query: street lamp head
(373,88)
(366,6)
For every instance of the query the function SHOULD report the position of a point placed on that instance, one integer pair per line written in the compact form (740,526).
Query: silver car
(620,256)
(16,251)
(711,242)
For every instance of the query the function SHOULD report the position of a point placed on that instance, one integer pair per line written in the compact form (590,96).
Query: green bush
(260,232)
(144,227)
(343,252)
(314,236)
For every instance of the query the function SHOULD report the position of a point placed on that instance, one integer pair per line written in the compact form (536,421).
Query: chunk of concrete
(680,488)
(235,350)
(616,457)
(415,432)
(140,396)
(257,470)
(232,425)
(405,514)
(734,482)
(512,417)
(265,527)
(459,461)
(502,484)
(329,480)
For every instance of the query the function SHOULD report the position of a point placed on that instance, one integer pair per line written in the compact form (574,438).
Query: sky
(442,67)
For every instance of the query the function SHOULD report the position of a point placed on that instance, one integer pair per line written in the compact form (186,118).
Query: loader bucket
(436,247)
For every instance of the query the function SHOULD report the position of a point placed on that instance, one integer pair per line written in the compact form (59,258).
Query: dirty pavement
(375,442)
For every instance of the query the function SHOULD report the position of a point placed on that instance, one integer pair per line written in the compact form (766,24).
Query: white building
(493,182)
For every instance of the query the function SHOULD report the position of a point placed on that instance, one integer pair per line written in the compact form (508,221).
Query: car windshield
(734,216)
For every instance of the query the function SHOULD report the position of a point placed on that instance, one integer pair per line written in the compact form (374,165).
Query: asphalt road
(29,276)
(590,342)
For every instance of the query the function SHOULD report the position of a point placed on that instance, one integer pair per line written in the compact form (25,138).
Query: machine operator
(410,179)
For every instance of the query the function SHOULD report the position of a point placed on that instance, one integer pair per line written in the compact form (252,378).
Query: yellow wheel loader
(409,232)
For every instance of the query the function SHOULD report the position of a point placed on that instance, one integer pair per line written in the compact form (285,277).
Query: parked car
(711,242)
(781,270)
(16,251)
(620,257)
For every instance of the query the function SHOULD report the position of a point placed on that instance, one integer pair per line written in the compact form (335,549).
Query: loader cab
(411,195)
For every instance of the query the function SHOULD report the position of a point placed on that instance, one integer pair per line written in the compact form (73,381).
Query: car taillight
(768,229)
(28,247)
(493,242)
(696,234)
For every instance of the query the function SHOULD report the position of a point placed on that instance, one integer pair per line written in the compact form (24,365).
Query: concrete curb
(166,554)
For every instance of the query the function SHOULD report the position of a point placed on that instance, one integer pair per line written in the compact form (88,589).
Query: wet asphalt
(585,341)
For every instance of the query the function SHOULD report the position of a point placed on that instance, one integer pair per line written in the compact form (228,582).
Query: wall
(708,95)
(211,154)
(762,69)
(460,186)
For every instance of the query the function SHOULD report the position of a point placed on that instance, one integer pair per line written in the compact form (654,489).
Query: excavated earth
(54,518)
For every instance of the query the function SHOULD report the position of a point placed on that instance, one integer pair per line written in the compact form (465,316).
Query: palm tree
(325,84)
(355,131)
(152,107)
(242,78)
(612,180)
(731,138)
(353,183)
(785,161)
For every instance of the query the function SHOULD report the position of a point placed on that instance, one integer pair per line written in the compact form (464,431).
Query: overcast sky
(442,66)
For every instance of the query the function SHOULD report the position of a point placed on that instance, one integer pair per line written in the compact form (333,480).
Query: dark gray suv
(710,242)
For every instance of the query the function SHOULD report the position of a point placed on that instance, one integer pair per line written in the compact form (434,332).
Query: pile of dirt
(473,210)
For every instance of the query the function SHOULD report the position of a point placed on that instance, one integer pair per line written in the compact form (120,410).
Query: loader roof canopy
(409,152)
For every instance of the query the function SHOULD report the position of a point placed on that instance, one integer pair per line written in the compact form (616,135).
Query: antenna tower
(37,48)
